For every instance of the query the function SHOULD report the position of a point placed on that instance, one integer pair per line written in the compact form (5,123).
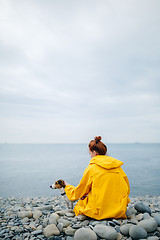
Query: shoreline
(48,218)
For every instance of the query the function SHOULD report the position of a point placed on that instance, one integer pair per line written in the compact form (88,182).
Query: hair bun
(98,139)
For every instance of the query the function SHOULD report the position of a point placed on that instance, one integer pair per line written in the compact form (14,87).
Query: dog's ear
(59,182)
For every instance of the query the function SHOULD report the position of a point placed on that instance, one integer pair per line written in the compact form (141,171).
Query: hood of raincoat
(106,162)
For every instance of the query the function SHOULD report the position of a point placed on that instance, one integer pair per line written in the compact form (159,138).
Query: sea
(28,170)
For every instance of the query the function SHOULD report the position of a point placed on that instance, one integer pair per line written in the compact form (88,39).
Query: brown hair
(98,146)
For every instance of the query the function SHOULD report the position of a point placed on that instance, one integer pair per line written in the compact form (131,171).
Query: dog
(60,184)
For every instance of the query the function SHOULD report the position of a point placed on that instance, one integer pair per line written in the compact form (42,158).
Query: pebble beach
(48,218)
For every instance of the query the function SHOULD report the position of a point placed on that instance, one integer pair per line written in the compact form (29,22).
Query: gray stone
(57,238)
(84,223)
(44,207)
(69,214)
(32,225)
(60,226)
(76,226)
(65,222)
(125,229)
(51,230)
(61,212)
(36,232)
(137,232)
(69,238)
(52,220)
(37,214)
(150,224)
(130,211)
(85,234)
(25,220)
(70,231)
(2,232)
(81,217)
(146,215)
(153,238)
(139,217)
(55,215)
(45,222)
(24,214)
(157,218)
(105,232)
(142,208)
(94,223)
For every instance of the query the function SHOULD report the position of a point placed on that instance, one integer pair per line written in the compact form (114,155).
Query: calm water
(29,169)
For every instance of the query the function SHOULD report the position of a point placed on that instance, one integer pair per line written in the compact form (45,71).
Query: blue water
(29,169)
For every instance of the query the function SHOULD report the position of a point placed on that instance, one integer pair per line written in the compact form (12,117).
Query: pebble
(150,224)
(37,214)
(105,232)
(36,232)
(137,232)
(65,222)
(70,231)
(157,218)
(124,229)
(85,234)
(142,208)
(51,230)
(24,214)
(46,218)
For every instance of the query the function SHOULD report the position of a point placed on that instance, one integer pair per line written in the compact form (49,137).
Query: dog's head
(58,184)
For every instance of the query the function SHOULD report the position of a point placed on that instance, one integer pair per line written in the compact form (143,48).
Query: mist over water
(29,169)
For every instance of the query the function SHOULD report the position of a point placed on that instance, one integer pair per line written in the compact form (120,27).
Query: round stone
(52,220)
(157,218)
(149,224)
(105,231)
(137,232)
(125,229)
(51,230)
(142,208)
(37,214)
(65,222)
(85,233)
(70,231)
(55,215)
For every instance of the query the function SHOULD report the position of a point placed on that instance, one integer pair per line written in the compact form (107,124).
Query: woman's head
(97,147)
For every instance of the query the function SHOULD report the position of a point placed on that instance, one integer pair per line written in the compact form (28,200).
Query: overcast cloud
(71,70)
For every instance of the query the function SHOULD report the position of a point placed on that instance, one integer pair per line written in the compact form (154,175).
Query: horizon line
(77,143)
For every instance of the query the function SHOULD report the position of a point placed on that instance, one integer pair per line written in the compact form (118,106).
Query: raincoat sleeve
(127,181)
(83,188)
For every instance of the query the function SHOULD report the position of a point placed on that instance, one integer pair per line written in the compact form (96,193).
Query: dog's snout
(51,186)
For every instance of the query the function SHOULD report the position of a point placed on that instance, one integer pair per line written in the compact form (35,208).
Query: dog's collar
(62,194)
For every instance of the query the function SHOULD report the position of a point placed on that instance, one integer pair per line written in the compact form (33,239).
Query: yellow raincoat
(106,186)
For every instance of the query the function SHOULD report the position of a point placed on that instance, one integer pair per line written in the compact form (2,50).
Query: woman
(104,188)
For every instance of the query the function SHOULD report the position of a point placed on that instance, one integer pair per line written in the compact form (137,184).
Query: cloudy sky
(71,70)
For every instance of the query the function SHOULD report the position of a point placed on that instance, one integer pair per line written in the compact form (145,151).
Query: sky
(72,70)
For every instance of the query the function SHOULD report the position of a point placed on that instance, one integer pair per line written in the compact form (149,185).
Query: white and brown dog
(60,184)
